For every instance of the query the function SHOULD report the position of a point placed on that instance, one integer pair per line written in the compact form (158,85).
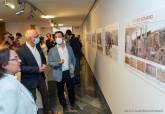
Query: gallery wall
(126,90)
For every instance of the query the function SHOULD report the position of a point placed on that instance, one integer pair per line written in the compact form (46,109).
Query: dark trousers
(70,88)
(42,88)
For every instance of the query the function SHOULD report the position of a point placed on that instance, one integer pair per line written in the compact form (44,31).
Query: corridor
(89,98)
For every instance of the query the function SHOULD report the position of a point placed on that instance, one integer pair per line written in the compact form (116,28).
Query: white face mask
(59,41)
(37,40)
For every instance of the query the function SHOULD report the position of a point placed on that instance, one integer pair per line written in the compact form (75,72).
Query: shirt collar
(10,75)
(29,46)
(59,46)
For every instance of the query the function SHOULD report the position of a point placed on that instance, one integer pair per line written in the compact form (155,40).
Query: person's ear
(4,66)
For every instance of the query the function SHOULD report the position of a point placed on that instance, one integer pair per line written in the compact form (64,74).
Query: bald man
(32,68)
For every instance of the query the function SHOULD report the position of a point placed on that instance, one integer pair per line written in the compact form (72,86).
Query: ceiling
(67,12)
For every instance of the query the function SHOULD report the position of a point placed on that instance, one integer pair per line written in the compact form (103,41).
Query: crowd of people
(62,53)
(11,41)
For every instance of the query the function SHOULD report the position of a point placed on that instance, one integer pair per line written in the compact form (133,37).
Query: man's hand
(42,68)
(61,61)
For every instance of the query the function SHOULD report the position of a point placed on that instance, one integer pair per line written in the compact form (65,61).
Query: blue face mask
(37,40)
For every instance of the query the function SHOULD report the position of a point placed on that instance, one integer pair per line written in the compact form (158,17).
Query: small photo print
(141,66)
(108,44)
(93,39)
(114,36)
(111,41)
(88,38)
(161,75)
(151,70)
(133,62)
(127,60)
(99,41)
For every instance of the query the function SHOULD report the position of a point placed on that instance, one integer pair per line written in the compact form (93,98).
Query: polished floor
(89,98)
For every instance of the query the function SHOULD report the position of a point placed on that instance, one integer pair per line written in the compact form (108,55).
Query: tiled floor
(89,99)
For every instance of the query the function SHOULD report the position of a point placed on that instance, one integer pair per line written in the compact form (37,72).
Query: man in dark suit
(32,68)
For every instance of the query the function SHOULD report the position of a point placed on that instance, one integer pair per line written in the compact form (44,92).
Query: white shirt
(65,56)
(15,98)
(35,53)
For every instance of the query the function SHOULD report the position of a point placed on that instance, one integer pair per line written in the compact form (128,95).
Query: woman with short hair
(14,97)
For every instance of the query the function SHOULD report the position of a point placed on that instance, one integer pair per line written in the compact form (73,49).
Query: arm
(73,59)
(29,69)
(52,60)
(9,101)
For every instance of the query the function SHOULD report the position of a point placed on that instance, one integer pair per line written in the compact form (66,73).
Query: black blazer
(76,47)
(29,68)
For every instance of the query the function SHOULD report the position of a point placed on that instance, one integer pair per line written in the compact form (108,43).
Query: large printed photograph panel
(147,41)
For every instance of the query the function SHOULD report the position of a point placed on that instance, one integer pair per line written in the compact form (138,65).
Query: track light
(21,2)
(19,13)
(33,9)
(22,8)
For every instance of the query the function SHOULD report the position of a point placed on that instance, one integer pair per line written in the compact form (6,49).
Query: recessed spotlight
(47,16)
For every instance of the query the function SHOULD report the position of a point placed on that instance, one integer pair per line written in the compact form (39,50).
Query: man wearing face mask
(62,61)
(32,68)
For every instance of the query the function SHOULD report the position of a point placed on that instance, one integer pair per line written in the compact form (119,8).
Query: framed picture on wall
(111,41)
(99,39)
(88,39)
(145,41)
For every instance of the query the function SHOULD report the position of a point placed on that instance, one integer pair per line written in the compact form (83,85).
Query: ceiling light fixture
(33,9)
(1,19)
(22,8)
(52,25)
(60,25)
(9,4)
(47,16)
(21,12)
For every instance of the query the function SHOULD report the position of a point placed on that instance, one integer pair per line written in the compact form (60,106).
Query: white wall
(77,31)
(122,88)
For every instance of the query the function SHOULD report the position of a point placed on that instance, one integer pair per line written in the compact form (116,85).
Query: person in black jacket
(76,47)
(50,41)
(32,68)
